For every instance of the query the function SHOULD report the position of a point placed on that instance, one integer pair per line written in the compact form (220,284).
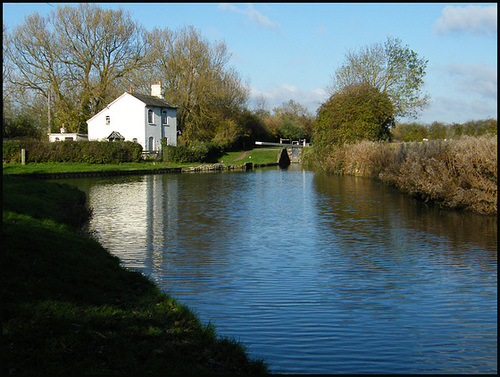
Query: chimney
(156,90)
(130,90)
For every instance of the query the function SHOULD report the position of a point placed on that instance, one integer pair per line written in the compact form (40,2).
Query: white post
(48,111)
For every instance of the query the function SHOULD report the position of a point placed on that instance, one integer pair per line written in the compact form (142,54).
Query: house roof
(153,101)
(148,100)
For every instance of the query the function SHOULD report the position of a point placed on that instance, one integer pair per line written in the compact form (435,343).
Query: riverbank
(457,174)
(69,307)
(245,160)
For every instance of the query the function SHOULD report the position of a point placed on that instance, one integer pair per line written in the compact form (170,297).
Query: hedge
(194,152)
(93,152)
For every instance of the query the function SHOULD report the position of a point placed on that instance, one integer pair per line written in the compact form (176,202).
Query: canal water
(313,273)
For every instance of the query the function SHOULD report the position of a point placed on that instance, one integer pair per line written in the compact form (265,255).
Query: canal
(313,273)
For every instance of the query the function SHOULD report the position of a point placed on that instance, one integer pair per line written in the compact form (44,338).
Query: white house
(66,136)
(136,117)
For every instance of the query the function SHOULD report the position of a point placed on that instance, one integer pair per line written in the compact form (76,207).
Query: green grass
(66,167)
(70,308)
(257,157)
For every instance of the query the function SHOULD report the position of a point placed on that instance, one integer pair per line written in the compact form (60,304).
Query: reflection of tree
(358,205)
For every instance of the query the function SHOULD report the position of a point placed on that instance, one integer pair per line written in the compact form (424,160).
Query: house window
(150,116)
(151,144)
(108,120)
(164,118)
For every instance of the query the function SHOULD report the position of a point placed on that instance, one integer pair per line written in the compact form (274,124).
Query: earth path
(241,156)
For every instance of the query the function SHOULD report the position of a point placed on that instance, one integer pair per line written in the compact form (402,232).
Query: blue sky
(289,51)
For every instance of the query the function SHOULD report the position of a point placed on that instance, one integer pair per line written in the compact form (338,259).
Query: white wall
(170,131)
(129,117)
(66,136)
(126,117)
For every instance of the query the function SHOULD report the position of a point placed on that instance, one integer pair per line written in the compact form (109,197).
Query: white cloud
(275,96)
(478,78)
(472,18)
(252,14)
(461,92)
(457,110)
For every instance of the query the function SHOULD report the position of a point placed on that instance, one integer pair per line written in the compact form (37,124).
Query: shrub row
(418,132)
(93,152)
(459,173)
(192,152)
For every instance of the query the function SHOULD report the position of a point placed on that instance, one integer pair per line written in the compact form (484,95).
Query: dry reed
(458,173)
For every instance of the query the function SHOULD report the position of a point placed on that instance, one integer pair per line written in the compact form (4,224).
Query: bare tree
(78,54)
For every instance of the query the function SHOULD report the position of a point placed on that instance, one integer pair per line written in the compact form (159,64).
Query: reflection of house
(136,117)
(66,136)
(145,210)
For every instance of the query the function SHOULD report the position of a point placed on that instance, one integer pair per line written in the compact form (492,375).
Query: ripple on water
(314,273)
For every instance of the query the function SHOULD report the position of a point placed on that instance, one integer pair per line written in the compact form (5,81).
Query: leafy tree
(480,127)
(294,120)
(356,112)
(437,130)
(290,120)
(410,132)
(392,68)
(76,57)
(21,125)
(198,79)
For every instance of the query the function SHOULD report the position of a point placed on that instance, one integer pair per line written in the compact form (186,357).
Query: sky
(286,51)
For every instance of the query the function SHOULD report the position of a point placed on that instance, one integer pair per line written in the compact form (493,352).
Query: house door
(151,144)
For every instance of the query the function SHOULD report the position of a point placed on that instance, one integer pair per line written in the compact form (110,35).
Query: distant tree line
(437,130)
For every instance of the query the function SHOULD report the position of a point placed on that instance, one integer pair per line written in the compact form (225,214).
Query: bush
(409,132)
(192,152)
(357,112)
(11,151)
(93,152)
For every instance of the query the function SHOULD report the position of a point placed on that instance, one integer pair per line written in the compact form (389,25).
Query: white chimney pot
(156,90)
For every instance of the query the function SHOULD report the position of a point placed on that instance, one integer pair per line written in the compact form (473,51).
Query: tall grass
(458,173)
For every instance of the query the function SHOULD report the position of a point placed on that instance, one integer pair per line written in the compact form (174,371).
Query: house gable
(128,116)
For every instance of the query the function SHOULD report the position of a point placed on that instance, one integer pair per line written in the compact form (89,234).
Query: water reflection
(316,273)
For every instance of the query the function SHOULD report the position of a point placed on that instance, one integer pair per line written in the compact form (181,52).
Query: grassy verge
(70,308)
(70,167)
(257,156)
(458,173)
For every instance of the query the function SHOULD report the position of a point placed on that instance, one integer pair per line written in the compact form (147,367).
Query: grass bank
(458,173)
(70,308)
(259,157)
